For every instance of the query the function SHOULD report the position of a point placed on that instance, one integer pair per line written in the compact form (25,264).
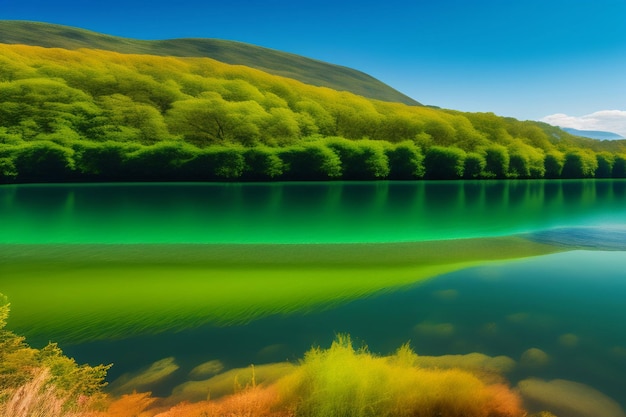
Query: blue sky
(525,59)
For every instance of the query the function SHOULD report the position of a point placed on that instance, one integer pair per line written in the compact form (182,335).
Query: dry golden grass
(337,382)
(131,405)
(251,402)
(36,398)
(344,382)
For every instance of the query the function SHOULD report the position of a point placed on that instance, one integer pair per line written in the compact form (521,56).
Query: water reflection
(302,212)
(556,316)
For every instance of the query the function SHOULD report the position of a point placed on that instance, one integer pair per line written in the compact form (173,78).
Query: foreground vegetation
(339,381)
(92,115)
(44,382)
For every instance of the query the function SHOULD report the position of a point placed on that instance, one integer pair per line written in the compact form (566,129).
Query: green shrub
(496,161)
(519,166)
(262,163)
(8,172)
(406,161)
(474,166)
(347,382)
(103,160)
(619,167)
(69,384)
(579,164)
(161,161)
(360,159)
(605,165)
(214,163)
(553,164)
(43,161)
(310,161)
(444,163)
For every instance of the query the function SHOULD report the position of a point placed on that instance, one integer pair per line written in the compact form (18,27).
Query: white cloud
(604,120)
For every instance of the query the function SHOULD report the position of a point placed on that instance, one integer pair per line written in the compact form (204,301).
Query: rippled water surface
(235,274)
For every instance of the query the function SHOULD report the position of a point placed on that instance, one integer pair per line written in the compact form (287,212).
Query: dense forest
(93,115)
(307,70)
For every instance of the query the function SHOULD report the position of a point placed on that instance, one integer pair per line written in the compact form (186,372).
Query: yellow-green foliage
(36,399)
(42,382)
(344,381)
(339,381)
(68,101)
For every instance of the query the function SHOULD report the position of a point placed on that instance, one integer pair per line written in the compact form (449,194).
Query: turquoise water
(557,312)
(302,212)
(568,305)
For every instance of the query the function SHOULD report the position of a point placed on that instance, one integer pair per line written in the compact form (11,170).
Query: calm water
(132,274)
(301,213)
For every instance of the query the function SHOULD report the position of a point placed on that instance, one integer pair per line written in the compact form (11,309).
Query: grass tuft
(348,382)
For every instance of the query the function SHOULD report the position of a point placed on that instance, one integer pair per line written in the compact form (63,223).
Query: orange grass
(251,402)
(342,381)
(336,382)
(345,382)
(131,405)
(38,398)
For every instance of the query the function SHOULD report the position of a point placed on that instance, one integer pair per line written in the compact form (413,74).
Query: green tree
(240,90)
(281,127)
(619,166)
(324,122)
(467,137)
(8,172)
(215,163)
(553,164)
(354,117)
(310,161)
(605,165)
(161,161)
(262,163)
(144,121)
(443,163)
(474,166)
(441,132)
(519,165)
(211,120)
(579,164)
(360,159)
(103,160)
(43,161)
(405,161)
(496,161)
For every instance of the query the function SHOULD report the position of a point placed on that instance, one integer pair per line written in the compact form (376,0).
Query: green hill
(98,115)
(303,69)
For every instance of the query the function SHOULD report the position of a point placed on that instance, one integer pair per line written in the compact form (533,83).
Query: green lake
(161,278)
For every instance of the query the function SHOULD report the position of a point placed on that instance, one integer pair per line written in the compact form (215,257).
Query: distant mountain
(303,69)
(593,134)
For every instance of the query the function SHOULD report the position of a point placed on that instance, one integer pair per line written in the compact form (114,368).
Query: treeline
(331,158)
(96,115)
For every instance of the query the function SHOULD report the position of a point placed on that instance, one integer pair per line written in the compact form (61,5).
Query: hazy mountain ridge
(593,134)
(289,65)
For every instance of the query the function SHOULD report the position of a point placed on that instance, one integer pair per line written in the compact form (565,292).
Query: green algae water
(161,278)
(340,212)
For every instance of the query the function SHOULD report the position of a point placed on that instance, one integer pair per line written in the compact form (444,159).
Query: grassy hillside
(307,70)
(92,115)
